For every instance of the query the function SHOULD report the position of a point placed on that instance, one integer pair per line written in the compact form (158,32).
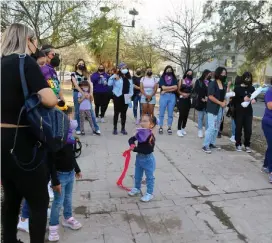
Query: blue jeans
(64,198)
(211,133)
(94,119)
(201,115)
(76,107)
(233,127)
(136,102)
(145,163)
(267,129)
(25,210)
(167,100)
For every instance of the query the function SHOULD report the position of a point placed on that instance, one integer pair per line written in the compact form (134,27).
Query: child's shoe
(71,223)
(134,192)
(147,197)
(23,225)
(53,233)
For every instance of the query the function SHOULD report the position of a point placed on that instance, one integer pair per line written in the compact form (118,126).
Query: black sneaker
(124,132)
(169,131)
(161,130)
(212,146)
(114,132)
(206,150)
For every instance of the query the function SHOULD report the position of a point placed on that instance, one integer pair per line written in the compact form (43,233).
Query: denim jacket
(118,86)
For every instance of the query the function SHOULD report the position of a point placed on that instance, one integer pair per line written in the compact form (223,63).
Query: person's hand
(87,96)
(57,188)
(229,83)
(78,175)
(163,92)
(132,146)
(246,98)
(223,104)
(185,95)
(203,100)
(253,102)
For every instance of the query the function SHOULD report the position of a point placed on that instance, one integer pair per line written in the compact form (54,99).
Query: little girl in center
(145,160)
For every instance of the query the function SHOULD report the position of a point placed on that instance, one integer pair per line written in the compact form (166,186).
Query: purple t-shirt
(85,104)
(268,113)
(51,77)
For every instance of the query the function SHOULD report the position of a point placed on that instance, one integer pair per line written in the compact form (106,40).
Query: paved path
(222,197)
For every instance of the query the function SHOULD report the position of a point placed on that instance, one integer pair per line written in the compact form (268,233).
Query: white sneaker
(78,132)
(147,197)
(248,150)
(232,139)
(239,148)
(50,192)
(102,120)
(183,132)
(179,133)
(23,225)
(98,119)
(53,233)
(134,192)
(71,223)
(200,133)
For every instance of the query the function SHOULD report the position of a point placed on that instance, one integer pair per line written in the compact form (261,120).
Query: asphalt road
(258,109)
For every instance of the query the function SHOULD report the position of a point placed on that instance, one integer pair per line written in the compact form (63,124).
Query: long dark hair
(218,71)
(173,73)
(84,71)
(204,74)
(188,70)
(238,80)
(247,75)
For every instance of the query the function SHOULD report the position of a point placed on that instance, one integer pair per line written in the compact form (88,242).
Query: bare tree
(182,39)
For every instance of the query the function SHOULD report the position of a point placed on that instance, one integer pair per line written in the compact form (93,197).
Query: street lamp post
(132,12)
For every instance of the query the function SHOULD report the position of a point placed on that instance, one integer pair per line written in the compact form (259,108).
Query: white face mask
(85,89)
(124,71)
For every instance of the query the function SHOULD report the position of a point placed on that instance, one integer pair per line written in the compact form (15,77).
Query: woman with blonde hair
(22,179)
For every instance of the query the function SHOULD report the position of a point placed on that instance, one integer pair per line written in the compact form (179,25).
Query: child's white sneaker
(147,197)
(134,192)
(183,132)
(53,233)
(71,223)
(179,133)
(23,225)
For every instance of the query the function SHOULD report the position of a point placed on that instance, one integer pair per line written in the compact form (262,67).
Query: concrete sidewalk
(222,197)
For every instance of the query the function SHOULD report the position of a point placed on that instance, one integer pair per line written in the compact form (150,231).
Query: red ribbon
(127,155)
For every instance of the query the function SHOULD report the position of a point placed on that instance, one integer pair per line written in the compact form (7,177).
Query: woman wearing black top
(185,87)
(21,180)
(201,90)
(243,116)
(216,103)
(137,93)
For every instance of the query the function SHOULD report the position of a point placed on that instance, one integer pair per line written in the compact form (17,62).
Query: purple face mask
(143,134)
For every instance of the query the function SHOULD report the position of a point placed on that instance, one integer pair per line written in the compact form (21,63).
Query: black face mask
(209,78)
(36,54)
(149,73)
(169,73)
(81,67)
(55,61)
(189,76)
(138,73)
(223,78)
(101,70)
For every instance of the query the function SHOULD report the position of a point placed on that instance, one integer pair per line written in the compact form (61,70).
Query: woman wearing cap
(122,89)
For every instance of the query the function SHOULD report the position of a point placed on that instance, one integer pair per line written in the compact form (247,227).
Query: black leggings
(243,121)
(119,107)
(101,101)
(18,184)
(184,106)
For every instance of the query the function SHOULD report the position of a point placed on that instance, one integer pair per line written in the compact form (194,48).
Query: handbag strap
(22,74)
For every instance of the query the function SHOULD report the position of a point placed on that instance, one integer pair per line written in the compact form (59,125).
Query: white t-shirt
(149,82)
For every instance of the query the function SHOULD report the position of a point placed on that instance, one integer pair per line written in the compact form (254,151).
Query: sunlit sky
(152,12)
